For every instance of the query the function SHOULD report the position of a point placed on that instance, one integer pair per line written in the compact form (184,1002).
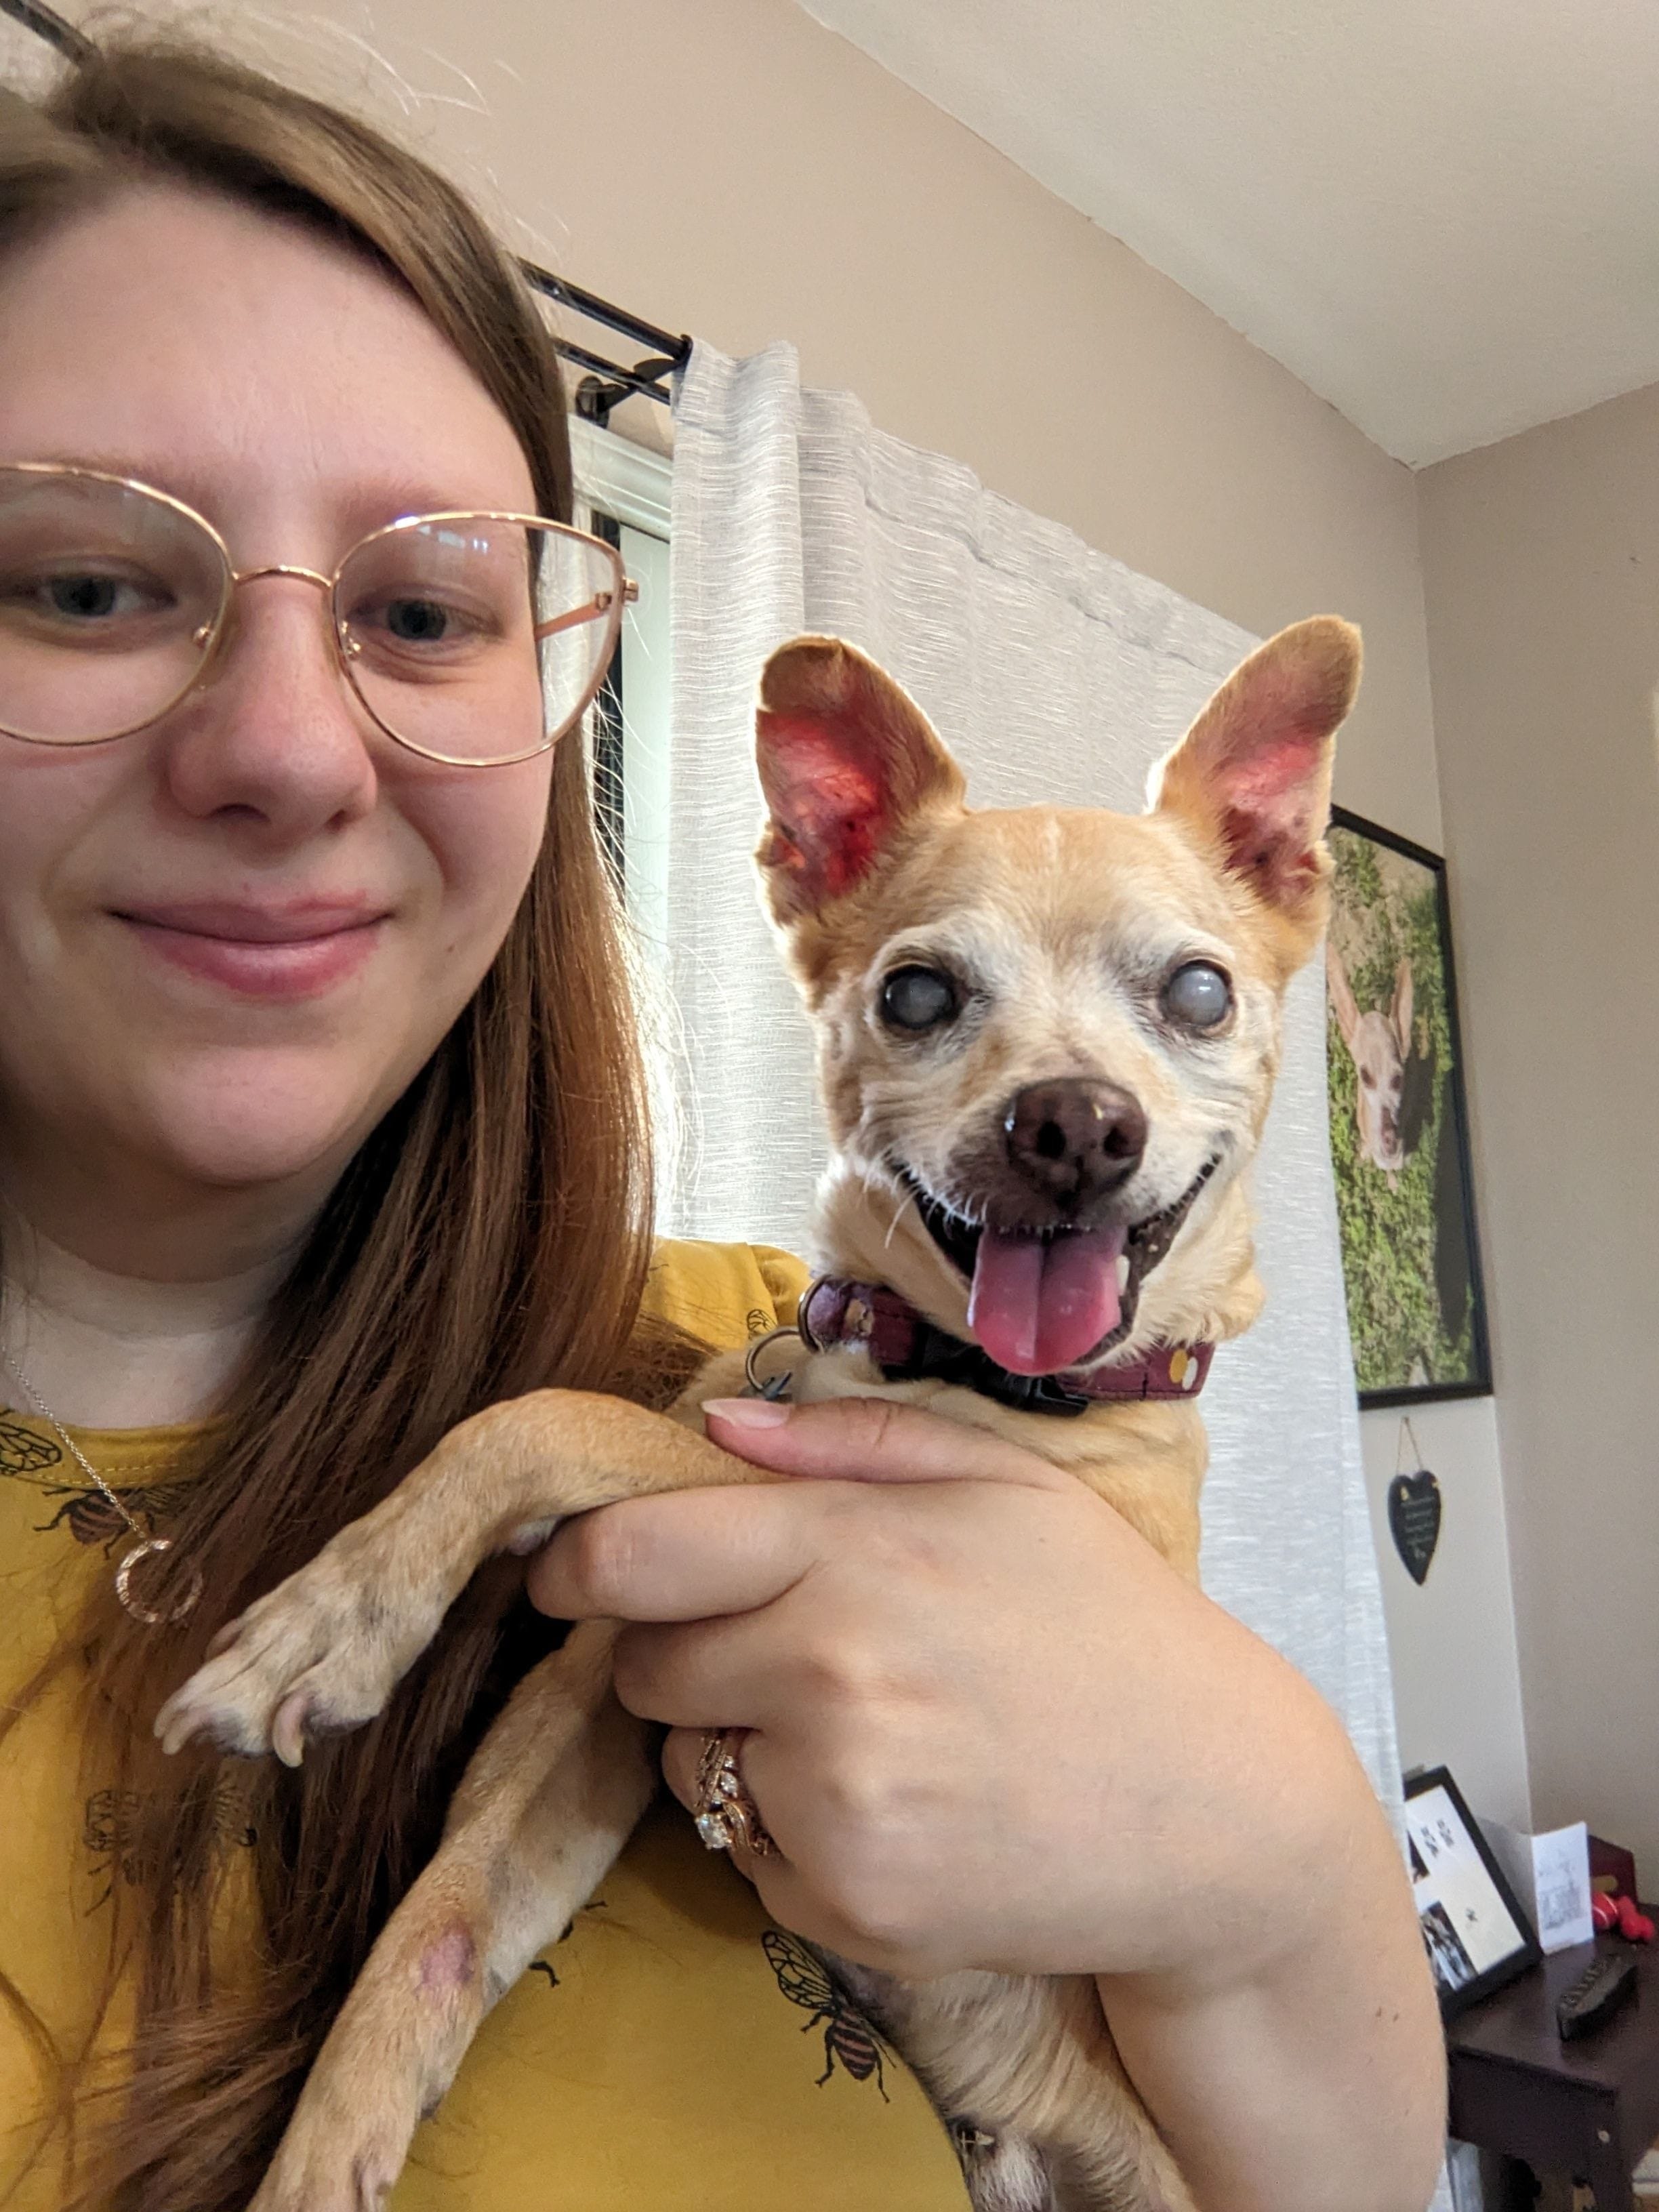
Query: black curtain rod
(607,382)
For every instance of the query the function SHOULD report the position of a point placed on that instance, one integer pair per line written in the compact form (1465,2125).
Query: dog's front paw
(320,1653)
(330,2161)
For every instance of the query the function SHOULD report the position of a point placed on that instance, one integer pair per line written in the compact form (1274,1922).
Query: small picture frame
(1400,1146)
(1476,1931)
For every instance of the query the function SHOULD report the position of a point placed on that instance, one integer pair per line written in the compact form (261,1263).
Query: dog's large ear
(1344,1004)
(847,759)
(1253,775)
(1399,1013)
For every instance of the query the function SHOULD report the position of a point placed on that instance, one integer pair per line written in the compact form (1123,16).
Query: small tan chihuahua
(1380,1045)
(1047,1040)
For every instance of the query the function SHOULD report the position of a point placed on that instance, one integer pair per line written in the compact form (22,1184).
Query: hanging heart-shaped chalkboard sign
(1414,1519)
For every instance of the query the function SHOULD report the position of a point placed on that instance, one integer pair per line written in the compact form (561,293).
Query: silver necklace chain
(148,1545)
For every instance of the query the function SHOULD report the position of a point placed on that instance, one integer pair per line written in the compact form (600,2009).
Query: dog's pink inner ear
(1273,814)
(1254,769)
(846,758)
(830,804)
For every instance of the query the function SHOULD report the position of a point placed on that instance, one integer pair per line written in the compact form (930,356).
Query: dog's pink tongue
(1036,1307)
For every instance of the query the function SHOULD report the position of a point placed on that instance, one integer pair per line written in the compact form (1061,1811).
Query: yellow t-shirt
(674,2050)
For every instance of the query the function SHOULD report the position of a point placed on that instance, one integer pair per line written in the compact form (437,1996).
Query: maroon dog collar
(906,1347)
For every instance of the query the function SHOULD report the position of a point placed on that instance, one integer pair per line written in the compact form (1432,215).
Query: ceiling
(1442,215)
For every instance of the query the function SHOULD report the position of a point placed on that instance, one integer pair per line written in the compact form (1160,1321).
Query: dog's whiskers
(893,1226)
(960,1212)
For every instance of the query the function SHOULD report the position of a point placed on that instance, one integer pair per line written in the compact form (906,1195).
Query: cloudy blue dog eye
(1197,995)
(917,998)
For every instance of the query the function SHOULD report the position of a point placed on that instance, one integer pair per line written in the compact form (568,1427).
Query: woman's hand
(991,1728)
(972,1689)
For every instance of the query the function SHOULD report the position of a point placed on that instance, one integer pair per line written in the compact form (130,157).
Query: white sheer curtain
(1053,673)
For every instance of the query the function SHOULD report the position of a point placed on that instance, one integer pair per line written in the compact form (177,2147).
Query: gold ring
(725,1814)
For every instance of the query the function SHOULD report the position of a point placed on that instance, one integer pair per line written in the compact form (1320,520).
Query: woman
(319,1127)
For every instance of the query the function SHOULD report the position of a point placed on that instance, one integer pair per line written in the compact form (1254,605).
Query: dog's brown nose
(1075,1139)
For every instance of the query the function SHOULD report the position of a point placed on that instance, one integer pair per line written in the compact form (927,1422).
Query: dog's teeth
(1122,1272)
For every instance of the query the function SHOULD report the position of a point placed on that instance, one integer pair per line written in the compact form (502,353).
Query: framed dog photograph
(1477,1933)
(1410,1262)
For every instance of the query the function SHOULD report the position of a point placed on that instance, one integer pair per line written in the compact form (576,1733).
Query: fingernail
(748,1413)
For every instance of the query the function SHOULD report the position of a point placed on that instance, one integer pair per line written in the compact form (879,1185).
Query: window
(624,489)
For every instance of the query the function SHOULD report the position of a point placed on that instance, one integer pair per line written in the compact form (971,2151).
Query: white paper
(1550,1874)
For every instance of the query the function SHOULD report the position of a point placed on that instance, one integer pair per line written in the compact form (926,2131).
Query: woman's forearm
(1313,2081)
(955,1656)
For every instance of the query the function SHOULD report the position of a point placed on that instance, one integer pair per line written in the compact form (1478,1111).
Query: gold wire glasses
(472,638)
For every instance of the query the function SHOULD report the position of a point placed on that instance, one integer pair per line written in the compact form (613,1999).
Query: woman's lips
(294,953)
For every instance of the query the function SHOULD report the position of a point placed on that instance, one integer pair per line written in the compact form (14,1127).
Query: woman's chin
(283,1119)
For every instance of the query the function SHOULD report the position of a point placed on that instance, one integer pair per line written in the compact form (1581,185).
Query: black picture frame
(1411,1251)
(1477,1933)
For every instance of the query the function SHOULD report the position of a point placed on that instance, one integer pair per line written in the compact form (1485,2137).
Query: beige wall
(1542,557)
(731,168)
(1457,1678)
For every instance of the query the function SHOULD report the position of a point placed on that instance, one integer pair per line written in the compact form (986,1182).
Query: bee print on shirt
(26,1456)
(91,1519)
(112,1837)
(22,1453)
(848,2038)
(115,1831)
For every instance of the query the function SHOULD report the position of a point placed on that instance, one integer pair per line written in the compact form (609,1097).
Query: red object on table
(1634,1924)
(1624,1914)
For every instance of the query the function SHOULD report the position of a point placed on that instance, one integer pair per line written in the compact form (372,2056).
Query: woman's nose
(275,733)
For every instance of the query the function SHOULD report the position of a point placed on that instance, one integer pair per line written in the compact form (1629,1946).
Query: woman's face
(228,942)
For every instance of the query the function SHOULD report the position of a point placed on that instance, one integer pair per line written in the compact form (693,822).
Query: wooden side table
(1587,2109)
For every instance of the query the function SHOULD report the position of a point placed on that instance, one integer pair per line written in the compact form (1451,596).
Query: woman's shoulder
(724,1294)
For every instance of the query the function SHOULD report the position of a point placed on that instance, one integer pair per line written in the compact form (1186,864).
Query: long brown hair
(491,1237)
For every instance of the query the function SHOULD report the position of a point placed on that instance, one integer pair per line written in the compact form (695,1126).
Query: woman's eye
(83,595)
(918,999)
(1199,996)
(418,624)
(87,596)
(418,621)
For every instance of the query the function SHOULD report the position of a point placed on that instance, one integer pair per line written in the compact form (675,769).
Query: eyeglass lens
(468,638)
(108,600)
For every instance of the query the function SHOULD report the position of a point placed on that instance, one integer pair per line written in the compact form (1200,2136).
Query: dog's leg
(324,1650)
(550,1798)
(1023,2070)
